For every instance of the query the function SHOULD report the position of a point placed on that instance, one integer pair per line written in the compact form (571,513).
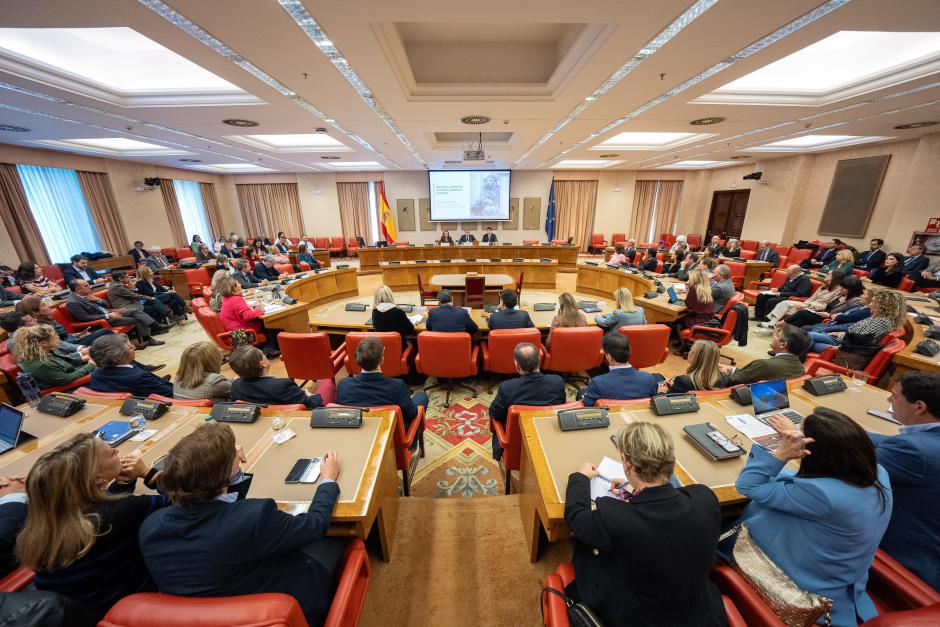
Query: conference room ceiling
(343,86)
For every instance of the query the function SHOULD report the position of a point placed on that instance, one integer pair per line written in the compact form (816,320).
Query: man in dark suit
(766,252)
(873,257)
(229,251)
(138,252)
(117,372)
(203,546)
(787,344)
(912,459)
(509,316)
(265,271)
(915,262)
(79,270)
(254,385)
(489,237)
(156,261)
(449,319)
(123,295)
(7,298)
(467,237)
(796,284)
(630,250)
(623,382)
(283,245)
(824,257)
(715,246)
(371,388)
(84,307)
(243,277)
(13,510)
(530,388)
(650,263)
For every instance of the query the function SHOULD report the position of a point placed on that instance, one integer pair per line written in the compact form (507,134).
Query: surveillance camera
(754,176)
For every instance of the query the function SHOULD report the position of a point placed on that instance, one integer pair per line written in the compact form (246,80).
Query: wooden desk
(370,259)
(550,455)
(112,263)
(321,255)
(403,276)
(493,284)
(310,291)
(603,281)
(907,360)
(176,277)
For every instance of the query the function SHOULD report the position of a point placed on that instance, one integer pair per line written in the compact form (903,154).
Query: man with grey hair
(157,260)
(766,252)
(797,284)
(117,372)
(243,277)
(531,387)
(722,287)
(371,388)
(265,271)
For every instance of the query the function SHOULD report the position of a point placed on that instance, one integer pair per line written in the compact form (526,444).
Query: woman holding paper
(647,558)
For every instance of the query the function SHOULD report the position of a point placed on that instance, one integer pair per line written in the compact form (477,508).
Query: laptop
(11,428)
(771,397)
(673,299)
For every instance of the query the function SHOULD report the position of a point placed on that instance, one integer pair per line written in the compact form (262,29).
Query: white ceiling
(543,59)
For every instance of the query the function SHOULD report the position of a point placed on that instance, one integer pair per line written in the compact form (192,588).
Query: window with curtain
(59,208)
(655,209)
(374,231)
(193,210)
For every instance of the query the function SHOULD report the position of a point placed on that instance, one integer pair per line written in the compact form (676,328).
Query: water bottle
(28,387)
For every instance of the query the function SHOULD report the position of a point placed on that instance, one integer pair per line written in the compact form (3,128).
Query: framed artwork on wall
(852,195)
(930,242)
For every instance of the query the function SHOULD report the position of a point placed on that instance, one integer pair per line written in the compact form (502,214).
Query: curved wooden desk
(310,291)
(403,276)
(603,281)
(907,359)
(370,259)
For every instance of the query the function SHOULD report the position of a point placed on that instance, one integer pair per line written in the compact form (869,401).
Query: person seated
(12,516)
(80,534)
(138,252)
(630,250)
(915,262)
(255,385)
(237,314)
(79,269)
(241,274)
(448,318)
(732,250)
(196,243)
(531,387)
(689,263)
(844,261)
(371,388)
(199,375)
(257,247)
(147,287)
(8,298)
(796,285)
(35,310)
(446,238)
(649,263)
(265,271)
(204,255)
(862,340)
(34,349)
(157,260)
(282,245)
(236,240)
(680,240)
(670,269)
(220,244)
(618,258)
(930,277)
(891,274)
(509,316)
(766,252)
(722,287)
(823,256)
(715,248)
(787,344)
(698,300)
(628,561)
(304,256)
(386,316)
(625,314)
(703,373)
(873,257)
(850,293)
(489,237)
(202,546)
(623,382)
(118,372)
(912,460)
(222,284)
(122,295)
(822,524)
(467,237)
(569,315)
(83,306)
(31,280)
(228,249)
(827,292)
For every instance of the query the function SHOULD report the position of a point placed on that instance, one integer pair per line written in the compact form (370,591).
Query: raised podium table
(370,259)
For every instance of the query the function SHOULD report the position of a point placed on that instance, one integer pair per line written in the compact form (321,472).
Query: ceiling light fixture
(191,160)
(910,125)
(750,50)
(331,157)
(609,156)
(690,15)
(474,119)
(240,123)
(305,21)
(740,157)
(707,121)
(9,128)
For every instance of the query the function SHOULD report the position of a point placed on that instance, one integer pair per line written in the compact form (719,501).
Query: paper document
(415,318)
(757,431)
(607,470)
(273,307)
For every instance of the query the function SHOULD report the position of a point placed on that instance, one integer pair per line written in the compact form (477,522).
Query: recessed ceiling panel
(114,146)
(649,141)
(805,143)
(294,142)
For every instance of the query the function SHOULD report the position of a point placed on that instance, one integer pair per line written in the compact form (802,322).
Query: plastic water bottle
(28,387)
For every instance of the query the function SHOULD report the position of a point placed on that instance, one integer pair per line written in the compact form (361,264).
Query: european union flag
(550,216)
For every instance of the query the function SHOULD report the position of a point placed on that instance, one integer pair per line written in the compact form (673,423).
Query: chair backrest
(352,243)
(170,253)
(734,300)
(119,396)
(574,349)
(618,238)
(778,278)
(183,253)
(879,363)
(906,285)
(474,287)
(421,289)
(780,248)
(282,268)
(668,239)
(738,268)
(53,272)
(797,255)
(446,355)
(694,240)
(9,368)
(748,254)
(649,343)
(859,273)
(212,324)
(153,609)
(391,364)
(183,402)
(559,242)
(597,238)
(749,244)
(531,241)
(400,243)
(501,343)
(197,276)
(512,453)
(814,284)
(103,295)
(336,241)
(306,356)
(321,242)
(519,278)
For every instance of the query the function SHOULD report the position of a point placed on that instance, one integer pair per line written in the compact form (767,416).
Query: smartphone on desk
(304,471)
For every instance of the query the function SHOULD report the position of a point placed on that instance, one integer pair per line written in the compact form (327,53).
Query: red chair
(53,273)
(395,361)
(738,270)
(61,314)
(170,253)
(519,278)
(649,343)
(424,294)
(400,244)
(748,254)
(337,247)
(798,254)
(353,575)
(720,336)
(783,250)
(196,280)
(17,580)
(533,242)
(321,242)
(906,285)
(447,356)
(598,243)
(875,368)
(182,253)
(90,393)
(668,239)
(474,289)
(922,617)
(284,268)
(212,324)
(574,349)
(10,370)
(500,344)
(559,242)
(745,598)
(308,356)
(183,402)
(510,436)
(893,587)
(749,244)
(860,273)
(153,609)
(352,247)
(694,240)
(776,280)
(618,238)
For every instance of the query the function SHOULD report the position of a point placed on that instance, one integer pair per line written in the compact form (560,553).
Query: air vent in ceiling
(904,127)
(9,128)
(740,157)
(191,160)
(474,119)
(471,137)
(330,157)
(240,123)
(706,121)
(610,155)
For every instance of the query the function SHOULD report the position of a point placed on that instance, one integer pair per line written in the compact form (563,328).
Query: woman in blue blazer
(822,524)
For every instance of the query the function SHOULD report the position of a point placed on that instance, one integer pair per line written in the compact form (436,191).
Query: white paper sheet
(608,469)
(749,425)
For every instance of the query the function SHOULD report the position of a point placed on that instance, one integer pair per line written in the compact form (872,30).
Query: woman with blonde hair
(222,285)
(702,373)
(199,375)
(862,340)
(81,530)
(568,313)
(146,286)
(34,346)
(845,261)
(698,300)
(625,314)
(625,561)
(386,316)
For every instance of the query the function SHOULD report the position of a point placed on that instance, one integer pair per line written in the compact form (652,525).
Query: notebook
(607,470)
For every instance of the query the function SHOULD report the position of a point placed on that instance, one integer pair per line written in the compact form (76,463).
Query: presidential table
(370,259)
(550,455)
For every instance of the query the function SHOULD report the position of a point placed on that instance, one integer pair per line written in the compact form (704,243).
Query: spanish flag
(385,216)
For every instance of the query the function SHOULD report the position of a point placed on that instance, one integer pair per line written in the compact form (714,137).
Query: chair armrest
(893,583)
(500,431)
(68,386)
(715,334)
(756,285)
(417,425)
(737,282)
(475,360)
(351,588)
(338,357)
(17,580)
(813,365)
(405,357)
(829,354)
(104,324)
(751,606)
(486,355)
(553,606)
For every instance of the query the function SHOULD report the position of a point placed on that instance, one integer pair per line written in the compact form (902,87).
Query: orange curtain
(211,203)
(270,207)
(18,219)
(667,205)
(173,214)
(96,188)
(354,209)
(574,205)
(644,197)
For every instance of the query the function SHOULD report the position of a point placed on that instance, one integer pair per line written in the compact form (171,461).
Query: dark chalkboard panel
(852,196)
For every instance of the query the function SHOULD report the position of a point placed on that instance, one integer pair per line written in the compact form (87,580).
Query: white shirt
(924,426)
(15,497)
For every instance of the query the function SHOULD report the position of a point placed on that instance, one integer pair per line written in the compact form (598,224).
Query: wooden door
(727,213)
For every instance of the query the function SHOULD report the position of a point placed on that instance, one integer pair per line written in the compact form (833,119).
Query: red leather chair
(447,356)
(337,247)
(748,602)
(400,244)
(152,609)
(738,270)
(197,279)
(776,280)
(533,242)
(354,573)
(10,370)
(893,587)
(474,289)
(922,617)
(798,254)
(749,244)
(720,336)
(61,314)
(183,253)
(212,324)
(519,278)
(668,239)
(734,300)
(53,273)
(90,393)
(860,273)
(748,254)
(906,285)
(649,343)
(183,402)
(395,362)
(284,268)
(618,238)
(170,253)
(500,344)
(17,580)
(574,349)
(694,241)
(352,247)
(598,243)
(814,285)
(875,368)
(321,242)
(783,250)
(308,356)
(423,294)
(510,436)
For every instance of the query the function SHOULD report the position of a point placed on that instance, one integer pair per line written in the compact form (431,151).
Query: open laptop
(771,397)
(673,299)
(11,428)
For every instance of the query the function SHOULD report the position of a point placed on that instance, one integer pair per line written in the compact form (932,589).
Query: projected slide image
(469,195)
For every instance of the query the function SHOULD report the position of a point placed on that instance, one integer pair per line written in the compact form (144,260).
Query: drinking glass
(859,379)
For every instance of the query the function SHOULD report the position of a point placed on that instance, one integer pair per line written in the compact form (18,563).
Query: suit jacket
(263,272)
(722,291)
(797,286)
(826,255)
(913,463)
(373,389)
(151,290)
(135,380)
(621,384)
(245,279)
(466,238)
(646,562)
(122,297)
(270,390)
(450,319)
(84,309)
(870,259)
(529,389)
(650,265)
(8,299)
(783,366)
(138,255)
(770,255)
(12,517)
(69,274)
(915,265)
(393,319)
(156,262)
(822,532)
(489,237)
(510,319)
(717,249)
(249,546)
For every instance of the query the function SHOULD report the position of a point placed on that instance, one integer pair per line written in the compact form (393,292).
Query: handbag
(579,615)
(793,605)
(242,337)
